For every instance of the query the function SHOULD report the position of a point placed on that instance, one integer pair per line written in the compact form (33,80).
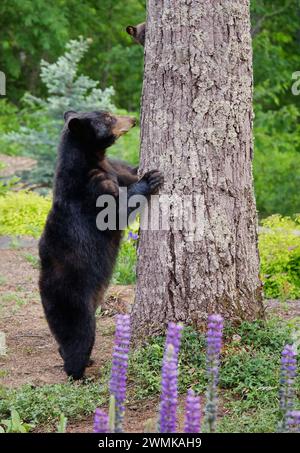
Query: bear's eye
(108,119)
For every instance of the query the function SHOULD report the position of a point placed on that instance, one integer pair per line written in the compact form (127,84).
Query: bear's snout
(122,125)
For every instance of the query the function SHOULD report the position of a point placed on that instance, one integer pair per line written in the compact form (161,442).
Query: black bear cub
(138,32)
(77,259)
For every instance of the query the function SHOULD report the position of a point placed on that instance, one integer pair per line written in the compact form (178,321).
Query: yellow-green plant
(279,244)
(23,213)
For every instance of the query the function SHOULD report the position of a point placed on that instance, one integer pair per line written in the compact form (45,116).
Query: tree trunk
(197,129)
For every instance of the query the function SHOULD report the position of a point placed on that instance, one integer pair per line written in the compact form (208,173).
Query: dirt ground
(32,352)
(32,355)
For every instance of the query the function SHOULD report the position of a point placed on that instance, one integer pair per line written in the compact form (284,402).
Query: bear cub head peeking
(138,32)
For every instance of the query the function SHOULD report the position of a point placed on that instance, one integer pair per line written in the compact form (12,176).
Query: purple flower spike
(287,383)
(293,421)
(119,367)
(192,413)
(133,236)
(214,345)
(100,422)
(169,391)
(174,337)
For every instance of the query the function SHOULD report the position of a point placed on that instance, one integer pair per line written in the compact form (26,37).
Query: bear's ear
(68,114)
(131,31)
(75,125)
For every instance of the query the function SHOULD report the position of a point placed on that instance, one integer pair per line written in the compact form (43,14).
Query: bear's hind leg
(73,325)
(77,346)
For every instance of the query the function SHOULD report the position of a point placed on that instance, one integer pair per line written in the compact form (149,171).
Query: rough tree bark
(197,129)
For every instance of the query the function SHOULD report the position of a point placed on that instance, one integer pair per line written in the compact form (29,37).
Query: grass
(13,297)
(33,260)
(249,379)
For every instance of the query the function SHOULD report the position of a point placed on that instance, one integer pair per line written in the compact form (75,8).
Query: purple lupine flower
(293,421)
(214,345)
(287,382)
(132,235)
(119,367)
(174,337)
(169,391)
(100,422)
(192,413)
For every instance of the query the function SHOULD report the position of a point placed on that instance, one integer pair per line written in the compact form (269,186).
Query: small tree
(66,91)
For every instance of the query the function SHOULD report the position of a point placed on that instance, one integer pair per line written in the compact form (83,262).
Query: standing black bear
(77,259)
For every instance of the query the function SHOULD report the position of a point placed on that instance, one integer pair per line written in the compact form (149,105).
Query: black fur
(77,259)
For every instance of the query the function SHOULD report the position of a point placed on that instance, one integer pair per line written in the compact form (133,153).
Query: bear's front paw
(153,179)
(110,187)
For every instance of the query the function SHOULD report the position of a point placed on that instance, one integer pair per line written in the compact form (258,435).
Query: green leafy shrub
(8,122)
(14,424)
(279,244)
(124,273)
(42,404)
(23,213)
(259,348)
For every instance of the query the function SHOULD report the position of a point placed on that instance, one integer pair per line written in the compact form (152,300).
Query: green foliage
(8,116)
(268,337)
(47,403)
(33,260)
(35,30)
(23,213)
(124,273)
(277,135)
(277,182)
(258,350)
(239,420)
(29,31)
(9,121)
(279,246)
(14,424)
(276,160)
(62,424)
